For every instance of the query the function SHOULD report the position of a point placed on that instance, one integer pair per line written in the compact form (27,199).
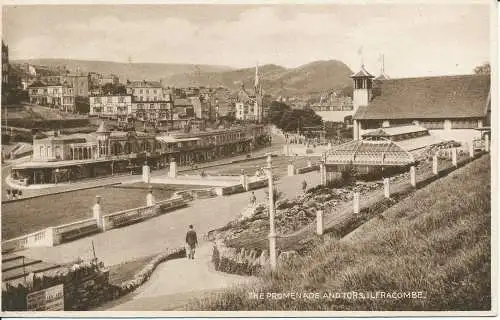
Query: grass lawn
(30,215)
(436,241)
(126,270)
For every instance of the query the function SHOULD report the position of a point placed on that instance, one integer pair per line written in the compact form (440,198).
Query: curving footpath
(176,282)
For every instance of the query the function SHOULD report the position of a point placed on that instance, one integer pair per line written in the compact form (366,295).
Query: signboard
(50,299)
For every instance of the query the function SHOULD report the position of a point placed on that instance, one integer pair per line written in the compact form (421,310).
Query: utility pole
(272,233)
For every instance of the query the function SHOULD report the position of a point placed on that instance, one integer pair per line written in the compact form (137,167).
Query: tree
(298,119)
(347,91)
(82,105)
(277,109)
(485,68)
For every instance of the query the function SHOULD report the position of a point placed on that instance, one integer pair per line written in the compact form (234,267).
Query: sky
(415,39)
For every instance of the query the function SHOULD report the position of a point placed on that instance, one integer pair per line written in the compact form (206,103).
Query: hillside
(312,78)
(435,243)
(131,71)
(315,77)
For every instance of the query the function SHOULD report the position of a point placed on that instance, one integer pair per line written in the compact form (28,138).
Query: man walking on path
(253,199)
(304,186)
(191,242)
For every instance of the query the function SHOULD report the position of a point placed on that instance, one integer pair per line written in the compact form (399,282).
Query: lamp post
(272,233)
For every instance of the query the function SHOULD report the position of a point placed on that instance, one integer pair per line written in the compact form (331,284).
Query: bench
(79,232)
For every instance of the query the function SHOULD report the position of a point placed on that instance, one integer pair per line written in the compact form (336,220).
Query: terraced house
(151,102)
(111,106)
(57,95)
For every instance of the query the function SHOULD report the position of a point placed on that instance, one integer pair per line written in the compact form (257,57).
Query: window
(432,124)
(147,91)
(463,124)
(121,99)
(97,99)
(154,91)
(140,91)
(110,99)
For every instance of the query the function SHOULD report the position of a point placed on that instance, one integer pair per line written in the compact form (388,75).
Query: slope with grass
(436,242)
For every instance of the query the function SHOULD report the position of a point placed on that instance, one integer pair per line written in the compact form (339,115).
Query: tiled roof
(428,98)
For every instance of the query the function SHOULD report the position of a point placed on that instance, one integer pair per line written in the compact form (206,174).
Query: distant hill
(315,77)
(131,71)
(312,78)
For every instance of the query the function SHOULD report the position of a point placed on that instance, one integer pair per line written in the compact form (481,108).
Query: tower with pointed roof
(362,94)
(258,96)
(103,135)
(363,85)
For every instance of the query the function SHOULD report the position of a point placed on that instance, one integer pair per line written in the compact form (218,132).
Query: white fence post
(319,222)
(471,149)
(244,179)
(150,198)
(98,212)
(454,157)
(435,164)
(413,177)
(486,143)
(173,169)
(291,169)
(355,203)
(387,190)
(146,173)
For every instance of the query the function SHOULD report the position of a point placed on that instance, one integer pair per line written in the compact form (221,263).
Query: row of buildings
(149,101)
(68,158)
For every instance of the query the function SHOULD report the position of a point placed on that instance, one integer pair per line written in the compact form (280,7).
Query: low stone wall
(307,169)
(258,184)
(189,195)
(224,191)
(52,236)
(126,217)
(42,238)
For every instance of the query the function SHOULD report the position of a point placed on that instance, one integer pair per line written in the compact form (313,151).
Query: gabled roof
(464,96)
(362,73)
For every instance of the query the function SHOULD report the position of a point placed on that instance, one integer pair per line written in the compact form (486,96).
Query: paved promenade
(174,283)
(168,230)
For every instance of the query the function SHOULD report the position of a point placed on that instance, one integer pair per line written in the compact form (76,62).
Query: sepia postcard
(249,159)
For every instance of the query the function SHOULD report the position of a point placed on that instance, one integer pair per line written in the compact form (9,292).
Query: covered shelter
(368,156)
